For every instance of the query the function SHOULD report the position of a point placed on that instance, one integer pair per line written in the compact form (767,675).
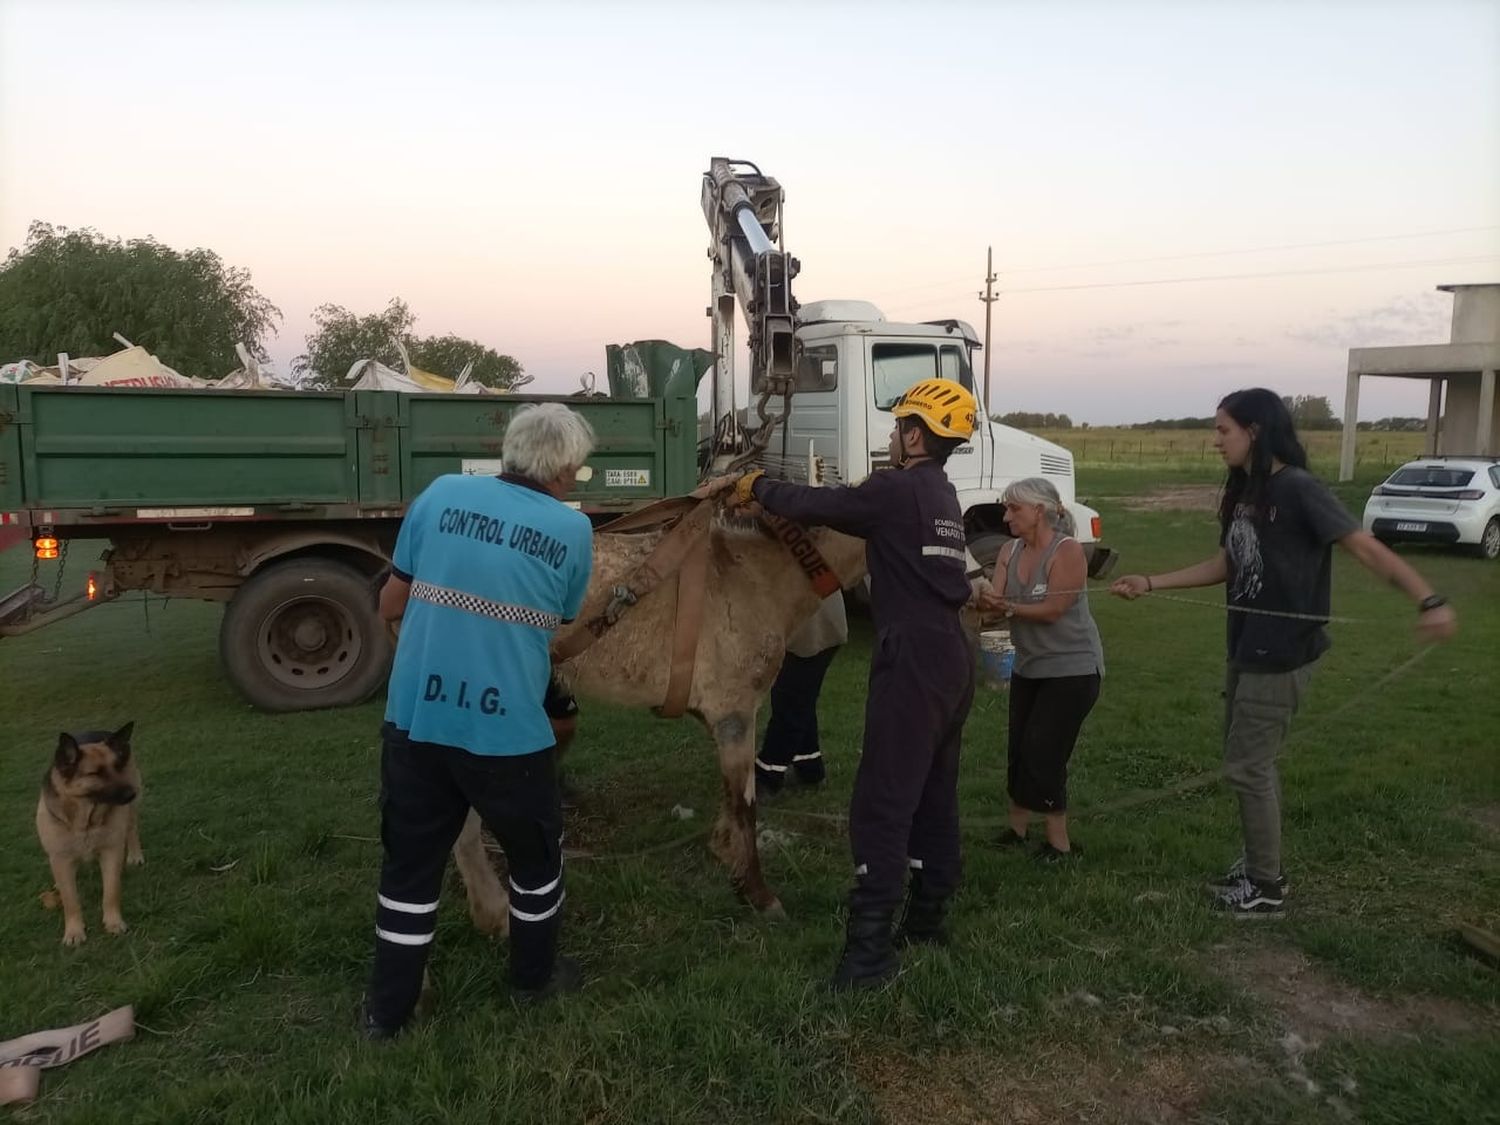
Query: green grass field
(1101,992)
(1121,447)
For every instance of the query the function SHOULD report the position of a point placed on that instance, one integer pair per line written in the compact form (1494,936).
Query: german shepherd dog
(87,809)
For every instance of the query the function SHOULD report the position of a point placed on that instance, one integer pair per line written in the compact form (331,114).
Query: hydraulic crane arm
(751,270)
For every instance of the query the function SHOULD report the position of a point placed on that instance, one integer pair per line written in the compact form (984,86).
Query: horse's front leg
(733,838)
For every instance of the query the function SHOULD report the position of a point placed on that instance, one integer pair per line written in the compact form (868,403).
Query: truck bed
(101,456)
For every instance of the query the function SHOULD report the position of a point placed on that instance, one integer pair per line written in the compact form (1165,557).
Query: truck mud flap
(1101,560)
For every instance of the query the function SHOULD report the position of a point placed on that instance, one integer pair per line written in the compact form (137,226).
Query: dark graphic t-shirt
(1282,561)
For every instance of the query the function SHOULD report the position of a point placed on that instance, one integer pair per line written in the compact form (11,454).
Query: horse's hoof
(773,911)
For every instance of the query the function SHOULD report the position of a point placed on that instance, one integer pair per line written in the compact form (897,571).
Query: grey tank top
(1070,645)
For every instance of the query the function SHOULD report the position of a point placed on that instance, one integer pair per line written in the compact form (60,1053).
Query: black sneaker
(1010,838)
(567,976)
(1249,899)
(1048,854)
(1236,873)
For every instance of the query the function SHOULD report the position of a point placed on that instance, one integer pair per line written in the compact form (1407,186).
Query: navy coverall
(905,806)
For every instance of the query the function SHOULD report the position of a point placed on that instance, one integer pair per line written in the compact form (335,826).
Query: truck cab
(854,365)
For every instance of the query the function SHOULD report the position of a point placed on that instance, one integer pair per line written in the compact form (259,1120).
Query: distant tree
(71,290)
(1174,424)
(342,338)
(447,355)
(1027,420)
(1398,425)
(1311,412)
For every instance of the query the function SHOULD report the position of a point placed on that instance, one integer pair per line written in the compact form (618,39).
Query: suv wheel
(1489,541)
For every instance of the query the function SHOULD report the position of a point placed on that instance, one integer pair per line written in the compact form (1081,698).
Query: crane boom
(751,270)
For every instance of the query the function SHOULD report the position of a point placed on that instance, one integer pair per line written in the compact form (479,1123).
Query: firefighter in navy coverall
(904,813)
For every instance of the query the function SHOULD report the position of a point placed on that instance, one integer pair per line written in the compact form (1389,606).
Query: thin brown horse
(756,593)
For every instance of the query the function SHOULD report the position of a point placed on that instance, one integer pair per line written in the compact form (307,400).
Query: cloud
(1405,320)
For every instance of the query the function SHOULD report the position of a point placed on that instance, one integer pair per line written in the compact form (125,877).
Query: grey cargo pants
(1258,710)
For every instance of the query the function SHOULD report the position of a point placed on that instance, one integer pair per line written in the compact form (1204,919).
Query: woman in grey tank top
(1039,587)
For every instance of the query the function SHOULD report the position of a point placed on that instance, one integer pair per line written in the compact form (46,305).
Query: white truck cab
(854,364)
(838,367)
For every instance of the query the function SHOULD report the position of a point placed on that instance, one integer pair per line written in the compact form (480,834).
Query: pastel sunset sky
(1183,198)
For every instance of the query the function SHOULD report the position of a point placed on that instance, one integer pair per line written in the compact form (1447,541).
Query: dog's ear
(66,759)
(119,742)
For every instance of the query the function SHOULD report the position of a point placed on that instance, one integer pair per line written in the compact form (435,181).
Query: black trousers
(904,813)
(425,794)
(791,740)
(1045,717)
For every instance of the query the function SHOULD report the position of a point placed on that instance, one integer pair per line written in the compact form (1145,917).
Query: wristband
(1149,587)
(1431,601)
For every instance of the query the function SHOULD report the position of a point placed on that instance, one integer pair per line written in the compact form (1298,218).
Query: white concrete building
(1469,422)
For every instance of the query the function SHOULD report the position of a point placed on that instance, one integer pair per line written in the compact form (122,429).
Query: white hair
(545,440)
(1040,490)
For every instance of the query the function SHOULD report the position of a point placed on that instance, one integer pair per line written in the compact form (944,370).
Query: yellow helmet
(948,408)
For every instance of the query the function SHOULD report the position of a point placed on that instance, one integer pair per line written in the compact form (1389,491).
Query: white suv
(1440,500)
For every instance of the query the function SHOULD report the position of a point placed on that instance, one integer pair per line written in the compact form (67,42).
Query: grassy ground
(1102,992)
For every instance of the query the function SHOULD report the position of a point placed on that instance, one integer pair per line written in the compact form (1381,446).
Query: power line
(1205,254)
(1256,250)
(1218,277)
(1265,274)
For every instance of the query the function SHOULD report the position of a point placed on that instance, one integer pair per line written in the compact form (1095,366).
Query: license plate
(1411,527)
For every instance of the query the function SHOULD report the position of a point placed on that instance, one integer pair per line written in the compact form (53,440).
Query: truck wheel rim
(309,643)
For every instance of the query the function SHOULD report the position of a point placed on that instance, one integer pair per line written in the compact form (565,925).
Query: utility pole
(989,299)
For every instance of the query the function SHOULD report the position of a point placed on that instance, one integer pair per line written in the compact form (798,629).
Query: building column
(1434,413)
(1484,429)
(1351,422)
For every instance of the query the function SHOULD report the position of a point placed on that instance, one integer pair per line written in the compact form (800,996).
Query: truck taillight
(93,587)
(1096,527)
(46,547)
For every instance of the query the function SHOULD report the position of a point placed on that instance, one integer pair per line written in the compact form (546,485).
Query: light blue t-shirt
(495,566)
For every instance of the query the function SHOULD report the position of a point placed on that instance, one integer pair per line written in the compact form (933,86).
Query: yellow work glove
(744,488)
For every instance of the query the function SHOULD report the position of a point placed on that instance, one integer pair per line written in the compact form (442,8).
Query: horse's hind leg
(489,903)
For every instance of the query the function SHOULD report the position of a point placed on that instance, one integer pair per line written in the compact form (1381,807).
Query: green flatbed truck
(285,506)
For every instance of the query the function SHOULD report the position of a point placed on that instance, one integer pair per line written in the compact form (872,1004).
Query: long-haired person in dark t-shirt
(1277,526)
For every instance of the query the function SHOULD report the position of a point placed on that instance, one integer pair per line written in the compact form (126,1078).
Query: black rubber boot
(869,954)
(372,1029)
(925,920)
(567,976)
(533,953)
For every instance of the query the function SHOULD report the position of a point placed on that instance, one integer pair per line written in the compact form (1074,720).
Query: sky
(1183,198)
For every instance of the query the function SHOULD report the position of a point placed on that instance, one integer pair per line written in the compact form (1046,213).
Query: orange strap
(663,562)
(796,540)
(692,586)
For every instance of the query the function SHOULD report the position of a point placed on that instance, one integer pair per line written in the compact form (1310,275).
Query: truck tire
(304,634)
(986,547)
